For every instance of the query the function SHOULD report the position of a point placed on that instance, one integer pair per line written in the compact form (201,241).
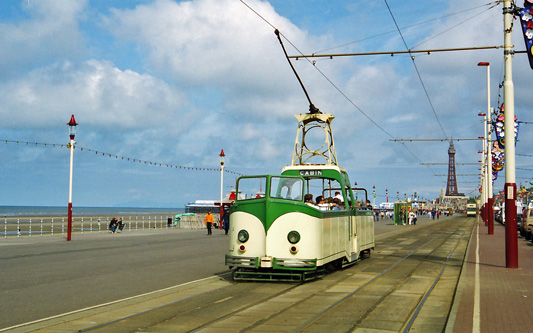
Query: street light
(511,239)
(222,155)
(72,132)
(488,165)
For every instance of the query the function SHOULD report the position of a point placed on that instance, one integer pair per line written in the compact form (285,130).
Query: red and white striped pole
(222,156)
(72,131)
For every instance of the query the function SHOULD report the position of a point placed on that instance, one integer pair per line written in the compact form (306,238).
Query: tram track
(315,323)
(387,292)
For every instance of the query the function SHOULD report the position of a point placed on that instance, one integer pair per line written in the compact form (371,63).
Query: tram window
(286,188)
(251,188)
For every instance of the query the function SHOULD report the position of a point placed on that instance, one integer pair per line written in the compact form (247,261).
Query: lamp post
(72,132)
(488,164)
(511,239)
(222,155)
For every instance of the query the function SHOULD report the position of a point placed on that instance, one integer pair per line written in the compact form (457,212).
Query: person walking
(209,222)
(225,220)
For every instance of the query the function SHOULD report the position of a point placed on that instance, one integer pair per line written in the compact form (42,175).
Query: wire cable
(407,27)
(335,86)
(417,71)
(453,27)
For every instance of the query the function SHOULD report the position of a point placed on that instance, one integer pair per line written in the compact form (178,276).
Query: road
(45,276)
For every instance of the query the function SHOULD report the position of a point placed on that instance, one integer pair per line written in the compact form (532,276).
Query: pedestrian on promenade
(209,222)
(411,218)
(113,225)
(225,220)
(120,225)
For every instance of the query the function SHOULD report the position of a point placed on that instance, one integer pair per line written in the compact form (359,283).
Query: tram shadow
(225,275)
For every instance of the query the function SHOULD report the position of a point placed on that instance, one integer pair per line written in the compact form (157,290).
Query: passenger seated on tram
(322,205)
(308,199)
(336,204)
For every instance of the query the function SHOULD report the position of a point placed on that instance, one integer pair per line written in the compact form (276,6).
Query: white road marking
(109,303)
(476,319)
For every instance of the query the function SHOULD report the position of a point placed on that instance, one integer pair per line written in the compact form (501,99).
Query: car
(527,223)
(498,215)
(519,218)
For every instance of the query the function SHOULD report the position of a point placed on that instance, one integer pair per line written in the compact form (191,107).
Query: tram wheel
(334,265)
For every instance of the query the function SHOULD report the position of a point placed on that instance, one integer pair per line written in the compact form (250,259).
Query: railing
(41,226)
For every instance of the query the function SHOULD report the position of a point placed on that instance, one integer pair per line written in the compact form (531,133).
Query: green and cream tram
(276,235)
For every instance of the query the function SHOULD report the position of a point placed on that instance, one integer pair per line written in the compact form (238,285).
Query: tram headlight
(293,237)
(243,236)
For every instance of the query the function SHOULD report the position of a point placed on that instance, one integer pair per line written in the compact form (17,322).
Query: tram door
(353,236)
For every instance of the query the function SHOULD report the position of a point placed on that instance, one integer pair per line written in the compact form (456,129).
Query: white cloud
(212,43)
(51,31)
(98,93)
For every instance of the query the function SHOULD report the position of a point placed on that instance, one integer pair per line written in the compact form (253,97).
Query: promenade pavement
(491,297)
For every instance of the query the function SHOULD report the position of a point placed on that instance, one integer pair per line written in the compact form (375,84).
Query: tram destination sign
(310,172)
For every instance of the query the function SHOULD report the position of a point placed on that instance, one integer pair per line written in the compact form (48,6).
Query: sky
(175,82)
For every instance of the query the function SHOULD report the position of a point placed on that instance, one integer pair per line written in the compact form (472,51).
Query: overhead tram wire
(417,71)
(408,26)
(458,24)
(331,82)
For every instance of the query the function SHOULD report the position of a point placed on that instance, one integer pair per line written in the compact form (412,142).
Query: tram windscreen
(286,188)
(251,188)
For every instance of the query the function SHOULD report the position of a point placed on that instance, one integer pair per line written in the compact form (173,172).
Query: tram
(471,209)
(278,234)
(275,235)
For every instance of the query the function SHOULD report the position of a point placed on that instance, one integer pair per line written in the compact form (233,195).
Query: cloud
(96,91)
(212,43)
(50,31)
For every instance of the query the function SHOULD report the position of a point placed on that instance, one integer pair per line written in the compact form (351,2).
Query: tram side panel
(322,240)
(364,233)
(336,244)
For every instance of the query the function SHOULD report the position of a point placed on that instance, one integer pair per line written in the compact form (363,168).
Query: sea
(16,211)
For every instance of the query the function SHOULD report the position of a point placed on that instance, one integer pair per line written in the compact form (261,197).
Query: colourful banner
(526,17)
(499,128)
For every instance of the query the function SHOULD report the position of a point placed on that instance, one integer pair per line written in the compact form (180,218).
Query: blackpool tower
(451,187)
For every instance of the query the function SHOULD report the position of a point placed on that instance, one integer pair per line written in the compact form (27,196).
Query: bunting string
(118,157)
